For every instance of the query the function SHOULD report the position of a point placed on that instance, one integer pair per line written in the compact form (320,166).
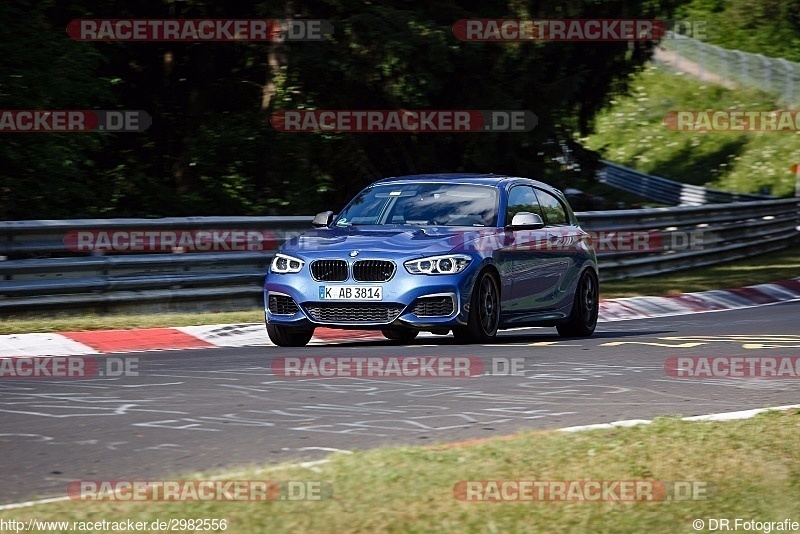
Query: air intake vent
(282,305)
(433,307)
(354,313)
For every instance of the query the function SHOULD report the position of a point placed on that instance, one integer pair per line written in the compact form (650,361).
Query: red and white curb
(254,334)
(706,301)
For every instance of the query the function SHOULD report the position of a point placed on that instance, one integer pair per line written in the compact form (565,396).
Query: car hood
(410,240)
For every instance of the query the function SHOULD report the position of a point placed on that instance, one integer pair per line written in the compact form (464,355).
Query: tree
(211,150)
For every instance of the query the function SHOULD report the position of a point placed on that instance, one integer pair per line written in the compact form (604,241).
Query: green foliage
(45,175)
(632,133)
(768,27)
(211,150)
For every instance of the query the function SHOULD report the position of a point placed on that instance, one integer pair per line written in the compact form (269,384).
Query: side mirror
(526,221)
(322,219)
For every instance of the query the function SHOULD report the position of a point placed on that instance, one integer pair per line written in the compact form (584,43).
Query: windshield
(423,204)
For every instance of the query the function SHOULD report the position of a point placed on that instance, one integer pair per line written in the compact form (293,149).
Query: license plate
(352,293)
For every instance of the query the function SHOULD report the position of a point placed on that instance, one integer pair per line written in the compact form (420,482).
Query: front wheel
(402,335)
(585,307)
(286,336)
(484,313)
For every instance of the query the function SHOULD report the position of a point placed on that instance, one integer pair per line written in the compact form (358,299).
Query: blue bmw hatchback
(467,253)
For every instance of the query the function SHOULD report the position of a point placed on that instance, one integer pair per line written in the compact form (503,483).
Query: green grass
(751,469)
(77,322)
(631,133)
(760,269)
(781,265)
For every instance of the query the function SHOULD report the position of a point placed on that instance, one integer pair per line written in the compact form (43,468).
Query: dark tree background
(211,150)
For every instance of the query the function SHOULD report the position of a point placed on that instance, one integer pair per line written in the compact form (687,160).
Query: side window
(521,198)
(554,213)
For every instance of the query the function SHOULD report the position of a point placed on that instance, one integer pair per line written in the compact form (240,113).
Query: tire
(585,307)
(400,334)
(285,336)
(484,312)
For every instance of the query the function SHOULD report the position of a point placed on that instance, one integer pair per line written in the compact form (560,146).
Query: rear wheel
(484,313)
(585,307)
(286,336)
(402,335)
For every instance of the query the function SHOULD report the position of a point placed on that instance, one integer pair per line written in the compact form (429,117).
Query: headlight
(283,264)
(449,264)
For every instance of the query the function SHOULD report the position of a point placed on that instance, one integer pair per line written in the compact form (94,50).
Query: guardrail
(41,272)
(694,236)
(666,191)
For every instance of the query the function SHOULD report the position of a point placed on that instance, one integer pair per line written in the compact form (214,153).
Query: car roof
(495,180)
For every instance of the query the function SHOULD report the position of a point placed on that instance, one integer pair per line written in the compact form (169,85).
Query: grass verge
(78,322)
(781,265)
(631,132)
(750,469)
(761,269)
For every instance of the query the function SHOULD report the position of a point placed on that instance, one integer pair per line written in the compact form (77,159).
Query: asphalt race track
(220,408)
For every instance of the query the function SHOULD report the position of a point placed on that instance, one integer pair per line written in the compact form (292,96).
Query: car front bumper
(417,301)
